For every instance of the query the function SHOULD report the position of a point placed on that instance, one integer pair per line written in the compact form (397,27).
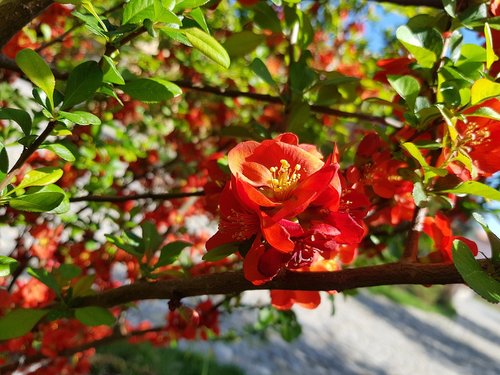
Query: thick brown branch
(235,282)
(16,14)
(132,197)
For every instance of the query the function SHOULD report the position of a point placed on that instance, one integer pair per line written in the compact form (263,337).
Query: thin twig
(131,197)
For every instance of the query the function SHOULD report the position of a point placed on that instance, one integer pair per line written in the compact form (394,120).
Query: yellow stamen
(284,179)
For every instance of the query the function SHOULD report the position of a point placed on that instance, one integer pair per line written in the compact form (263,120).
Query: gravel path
(371,335)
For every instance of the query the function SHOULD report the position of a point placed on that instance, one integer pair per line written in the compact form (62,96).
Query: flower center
(284,180)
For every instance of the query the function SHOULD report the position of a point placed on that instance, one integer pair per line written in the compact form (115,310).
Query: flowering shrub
(192,150)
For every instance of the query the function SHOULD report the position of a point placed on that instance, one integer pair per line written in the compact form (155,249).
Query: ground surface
(371,335)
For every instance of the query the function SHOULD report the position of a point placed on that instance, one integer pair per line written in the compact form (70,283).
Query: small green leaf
(127,244)
(136,11)
(22,118)
(188,4)
(68,271)
(407,87)
(80,117)
(94,316)
(151,90)
(491,57)
(259,68)
(207,45)
(19,322)
(242,43)
(415,153)
(38,199)
(475,188)
(494,240)
(198,16)
(40,177)
(83,82)
(42,275)
(221,252)
(150,237)
(483,89)
(7,265)
(419,195)
(421,43)
(4,161)
(486,112)
(37,70)
(475,277)
(60,150)
(170,252)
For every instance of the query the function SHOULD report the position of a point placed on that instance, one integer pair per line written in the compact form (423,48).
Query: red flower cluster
(288,204)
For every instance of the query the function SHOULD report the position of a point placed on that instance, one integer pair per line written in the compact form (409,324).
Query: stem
(410,253)
(125,198)
(27,152)
(235,282)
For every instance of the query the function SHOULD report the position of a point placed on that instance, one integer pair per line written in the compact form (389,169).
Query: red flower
(281,173)
(439,229)
(481,138)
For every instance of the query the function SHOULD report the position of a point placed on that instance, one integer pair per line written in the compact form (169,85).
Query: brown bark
(16,14)
(235,282)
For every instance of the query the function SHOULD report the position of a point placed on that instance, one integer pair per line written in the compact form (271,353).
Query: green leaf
(419,195)
(38,72)
(475,277)
(94,316)
(151,90)
(475,188)
(422,44)
(188,4)
(207,45)
(170,252)
(450,7)
(266,18)
(83,82)
(150,237)
(80,117)
(494,240)
(38,199)
(164,14)
(127,244)
(259,68)
(7,265)
(40,177)
(68,271)
(221,252)
(483,89)
(136,11)
(407,87)
(415,153)
(242,43)
(486,112)
(42,275)
(19,322)
(4,161)
(22,118)
(491,57)
(60,150)
(198,16)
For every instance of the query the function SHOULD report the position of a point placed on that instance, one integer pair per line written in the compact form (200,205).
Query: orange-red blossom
(286,202)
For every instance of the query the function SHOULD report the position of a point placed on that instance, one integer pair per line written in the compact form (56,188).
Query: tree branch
(16,14)
(235,282)
(26,154)
(131,197)
(410,253)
